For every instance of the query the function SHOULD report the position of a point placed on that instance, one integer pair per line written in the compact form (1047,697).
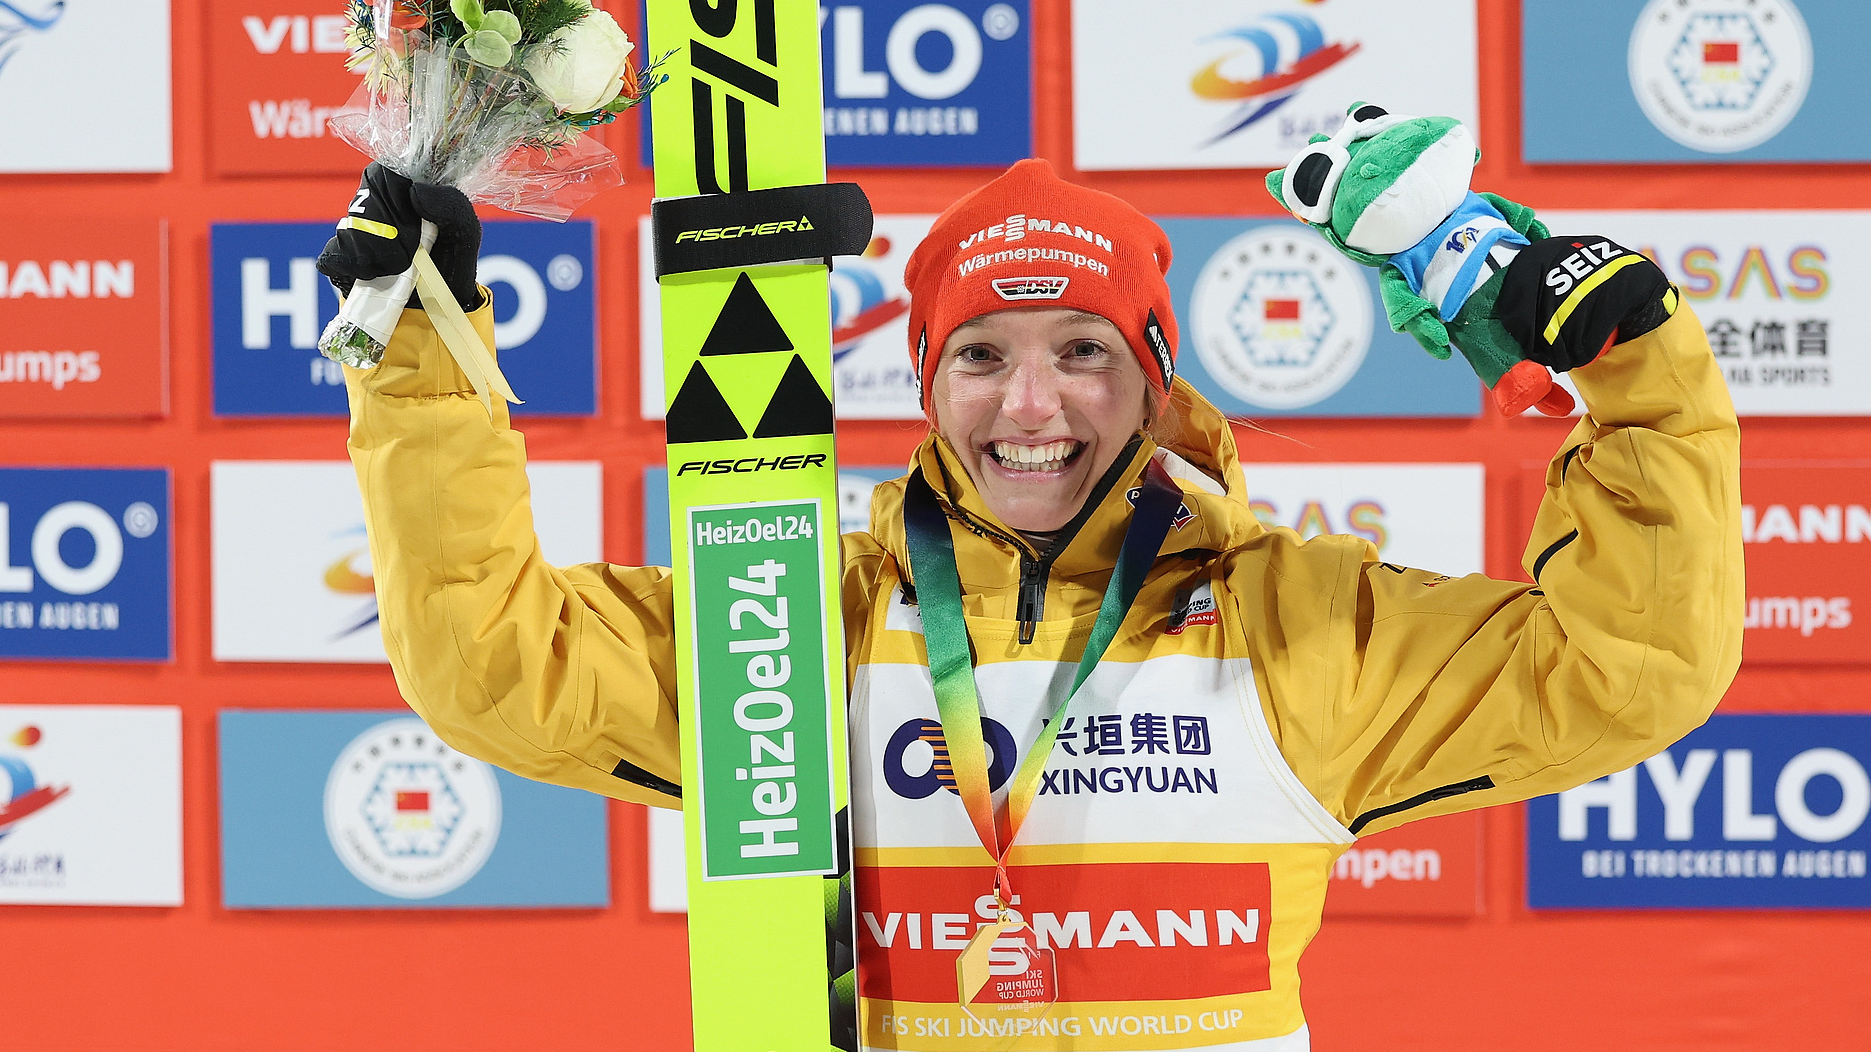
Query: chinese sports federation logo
(1270,60)
(1280,319)
(1720,75)
(409,816)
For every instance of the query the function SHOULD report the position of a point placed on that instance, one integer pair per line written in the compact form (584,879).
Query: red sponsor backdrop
(277,73)
(83,317)
(1806,533)
(202,978)
(1425,869)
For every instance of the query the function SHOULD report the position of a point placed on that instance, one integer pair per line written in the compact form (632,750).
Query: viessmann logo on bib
(1122,931)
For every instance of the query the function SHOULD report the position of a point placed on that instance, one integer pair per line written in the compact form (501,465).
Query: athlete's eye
(1086,349)
(976,352)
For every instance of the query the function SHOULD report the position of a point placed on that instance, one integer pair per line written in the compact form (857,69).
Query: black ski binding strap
(751,227)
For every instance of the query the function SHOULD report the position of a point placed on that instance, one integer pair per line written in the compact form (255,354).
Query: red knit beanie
(1029,238)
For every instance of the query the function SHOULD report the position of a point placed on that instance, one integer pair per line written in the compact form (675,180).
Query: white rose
(582,67)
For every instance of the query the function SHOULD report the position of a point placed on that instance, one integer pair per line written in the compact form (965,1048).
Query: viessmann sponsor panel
(91,805)
(270,304)
(293,579)
(85,563)
(1806,529)
(368,808)
(1430,868)
(1245,83)
(85,309)
(1806,535)
(276,74)
(1764,811)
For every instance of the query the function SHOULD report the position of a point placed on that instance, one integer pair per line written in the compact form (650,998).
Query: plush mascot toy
(1392,192)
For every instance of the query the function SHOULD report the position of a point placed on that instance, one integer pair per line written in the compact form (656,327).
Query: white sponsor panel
(292,574)
(1425,516)
(1245,83)
(669,872)
(91,805)
(1778,292)
(871,374)
(84,86)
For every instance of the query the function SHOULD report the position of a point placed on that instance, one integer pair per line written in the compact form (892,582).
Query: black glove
(1565,299)
(386,215)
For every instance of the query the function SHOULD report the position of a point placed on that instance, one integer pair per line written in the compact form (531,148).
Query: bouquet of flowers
(491,97)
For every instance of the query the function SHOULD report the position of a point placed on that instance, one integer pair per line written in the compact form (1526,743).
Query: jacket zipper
(1030,607)
(1032,595)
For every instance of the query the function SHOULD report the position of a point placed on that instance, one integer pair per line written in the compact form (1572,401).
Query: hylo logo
(1679,787)
(54,558)
(904,54)
(298,302)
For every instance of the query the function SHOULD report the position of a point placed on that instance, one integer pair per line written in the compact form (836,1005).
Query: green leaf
(487,47)
(503,22)
(470,13)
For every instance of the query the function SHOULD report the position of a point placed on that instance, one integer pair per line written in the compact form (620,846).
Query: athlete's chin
(1032,501)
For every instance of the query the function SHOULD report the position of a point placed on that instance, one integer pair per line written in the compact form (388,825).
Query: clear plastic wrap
(485,131)
(452,96)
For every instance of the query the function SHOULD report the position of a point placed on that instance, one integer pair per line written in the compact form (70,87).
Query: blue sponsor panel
(270,304)
(349,808)
(909,84)
(854,505)
(1707,81)
(1762,811)
(1276,322)
(84,563)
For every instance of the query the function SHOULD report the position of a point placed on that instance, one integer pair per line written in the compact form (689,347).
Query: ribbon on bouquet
(368,317)
(458,335)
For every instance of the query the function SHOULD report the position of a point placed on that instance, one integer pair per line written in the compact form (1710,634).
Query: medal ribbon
(951,665)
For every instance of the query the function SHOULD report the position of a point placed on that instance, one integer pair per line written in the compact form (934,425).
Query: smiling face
(1037,403)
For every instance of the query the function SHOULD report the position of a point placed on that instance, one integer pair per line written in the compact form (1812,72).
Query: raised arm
(1462,693)
(560,674)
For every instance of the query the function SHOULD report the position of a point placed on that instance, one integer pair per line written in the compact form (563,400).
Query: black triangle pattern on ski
(746,324)
(700,414)
(799,405)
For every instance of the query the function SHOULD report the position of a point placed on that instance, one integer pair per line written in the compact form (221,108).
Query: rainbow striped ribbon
(951,664)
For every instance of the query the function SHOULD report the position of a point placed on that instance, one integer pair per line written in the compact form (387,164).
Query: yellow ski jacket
(1393,694)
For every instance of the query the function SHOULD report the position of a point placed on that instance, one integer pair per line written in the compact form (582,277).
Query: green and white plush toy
(1392,192)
